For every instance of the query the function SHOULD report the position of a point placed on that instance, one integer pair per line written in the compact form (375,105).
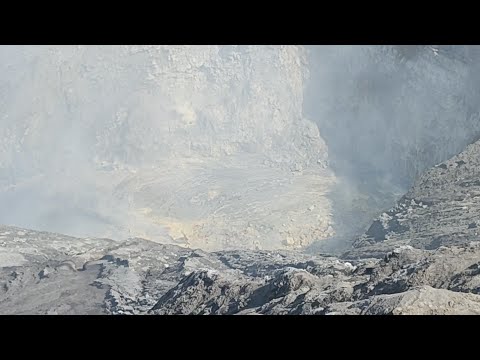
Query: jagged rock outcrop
(441,209)
(44,273)
(423,300)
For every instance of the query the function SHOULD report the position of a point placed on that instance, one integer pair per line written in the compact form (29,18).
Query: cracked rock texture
(442,208)
(45,273)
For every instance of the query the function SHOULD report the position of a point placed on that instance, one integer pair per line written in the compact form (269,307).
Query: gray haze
(225,146)
(388,113)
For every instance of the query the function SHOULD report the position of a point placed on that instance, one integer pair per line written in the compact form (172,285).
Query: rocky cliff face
(437,216)
(440,209)
(185,143)
(225,147)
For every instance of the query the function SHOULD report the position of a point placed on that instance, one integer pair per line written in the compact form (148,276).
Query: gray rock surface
(423,300)
(45,273)
(441,209)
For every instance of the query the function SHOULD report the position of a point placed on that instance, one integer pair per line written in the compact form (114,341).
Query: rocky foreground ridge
(42,273)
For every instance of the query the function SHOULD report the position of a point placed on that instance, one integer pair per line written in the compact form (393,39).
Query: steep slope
(387,114)
(441,209)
